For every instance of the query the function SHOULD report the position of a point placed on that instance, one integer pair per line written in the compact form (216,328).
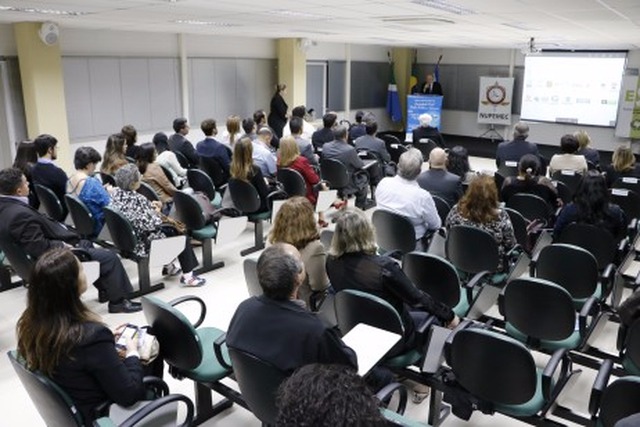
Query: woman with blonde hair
(295,224)
(584,142)
(114,157)
(232,131)
(623,164)
(479,208)
(243,169)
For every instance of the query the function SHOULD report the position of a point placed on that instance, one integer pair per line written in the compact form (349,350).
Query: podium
(420,104)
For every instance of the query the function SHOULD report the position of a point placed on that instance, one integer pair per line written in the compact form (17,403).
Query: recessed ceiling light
(204,23)
(445,6)
(43,11)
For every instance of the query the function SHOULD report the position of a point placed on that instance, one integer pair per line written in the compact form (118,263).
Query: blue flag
(393,99)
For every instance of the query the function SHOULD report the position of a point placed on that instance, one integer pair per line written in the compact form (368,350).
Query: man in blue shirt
(263,156)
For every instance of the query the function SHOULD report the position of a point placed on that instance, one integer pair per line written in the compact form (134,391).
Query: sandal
(339,205)
(193,282)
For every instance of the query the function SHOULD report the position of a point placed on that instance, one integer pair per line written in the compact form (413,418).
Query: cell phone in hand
(129,332)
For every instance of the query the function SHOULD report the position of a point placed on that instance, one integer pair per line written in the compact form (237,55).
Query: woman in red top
(289,157)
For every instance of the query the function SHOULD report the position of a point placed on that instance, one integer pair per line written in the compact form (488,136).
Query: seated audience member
(37,233)
(479,208)
(61,337)
(149,224)
(458,164)
(88,188)
(260,117)
(354,264)
(211,148)
(289,157)
(114,154)
(178,142)
(340,150)
(358,129)
(26,158)
(130,138)
(243,168)
(623,164)
(569,159)
(304,145)
(153,174)
(401,194)
(249,128)
(584,141)
(374,145)
(45,172)
(512,151)
(528,181)
(324,135)
(232,131)
(295,225)
(438,181)
(307,128)
(168,160)
(263,155)
(426,131)
(591,206)
(312,397)
(275,327)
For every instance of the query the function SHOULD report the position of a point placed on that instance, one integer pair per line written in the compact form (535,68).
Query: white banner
(495,100)
(628,123)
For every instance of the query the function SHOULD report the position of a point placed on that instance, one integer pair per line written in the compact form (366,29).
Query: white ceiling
(560,24)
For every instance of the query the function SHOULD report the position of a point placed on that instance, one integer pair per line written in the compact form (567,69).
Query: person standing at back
(278,110)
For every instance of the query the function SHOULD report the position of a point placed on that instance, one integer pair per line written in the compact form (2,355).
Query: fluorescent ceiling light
(42,11)
(204,23)
(297,14)
(520,26)
(445,6)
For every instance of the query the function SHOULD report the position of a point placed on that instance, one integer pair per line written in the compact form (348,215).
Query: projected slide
(580,88)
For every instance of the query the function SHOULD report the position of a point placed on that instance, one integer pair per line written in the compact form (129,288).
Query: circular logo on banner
(495,95)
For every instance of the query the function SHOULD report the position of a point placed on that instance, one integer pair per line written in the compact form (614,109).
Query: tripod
(492,133)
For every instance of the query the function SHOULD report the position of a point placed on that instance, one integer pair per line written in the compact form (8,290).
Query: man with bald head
(277,327)
(438,181)
(513,150)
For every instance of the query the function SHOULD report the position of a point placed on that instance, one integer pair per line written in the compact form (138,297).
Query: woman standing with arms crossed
(278,110)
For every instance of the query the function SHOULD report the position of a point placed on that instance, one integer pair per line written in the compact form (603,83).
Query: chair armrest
(157,385)
(428,323)
(81,254)
(275,193)
(561,355)
(607,279)
(632,228)
(621,338)
(203,307)
(533,263)
(149,408)
(475,282)
(217,349)
(385,394)
(590,308)
(599,385)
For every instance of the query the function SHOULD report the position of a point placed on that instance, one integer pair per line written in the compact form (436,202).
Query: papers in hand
(370,344)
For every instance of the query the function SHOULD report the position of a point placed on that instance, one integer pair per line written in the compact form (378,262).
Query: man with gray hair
(277,327)
(512,151)
(426,131)
(402,195)
(438,181)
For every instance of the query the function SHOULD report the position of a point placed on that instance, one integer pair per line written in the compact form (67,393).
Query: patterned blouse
(501,230)
(143,217)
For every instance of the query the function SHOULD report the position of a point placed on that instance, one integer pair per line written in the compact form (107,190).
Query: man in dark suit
(426,131)
(324,135)
(438,181)
(211,148)
(45,172)
(276,327)
(179,144)
(376,146)
(430,86)
(36,234)
(518,147)
(339,149)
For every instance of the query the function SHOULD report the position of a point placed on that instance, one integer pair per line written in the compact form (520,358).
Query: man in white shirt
(307,128)
(401,194)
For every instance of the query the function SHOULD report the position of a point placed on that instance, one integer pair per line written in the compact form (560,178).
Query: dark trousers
(113,278)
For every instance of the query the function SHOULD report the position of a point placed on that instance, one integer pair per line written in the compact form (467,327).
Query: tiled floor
(224,291)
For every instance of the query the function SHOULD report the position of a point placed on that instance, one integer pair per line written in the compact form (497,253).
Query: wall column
(43,88)
(292,71)
(402,61)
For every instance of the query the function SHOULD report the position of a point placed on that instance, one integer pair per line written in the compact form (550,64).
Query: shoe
(322,224)
(193,282)
(339,204)
(418,397)
(102,296)
(171,270)
(125,306)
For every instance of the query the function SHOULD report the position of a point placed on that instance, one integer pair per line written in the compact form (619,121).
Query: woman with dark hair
(479,208)
(153,174)
(243,169)
(278,110)
(528,181)
(591,206)
(167,159)
(149,224)
(458,163)
(26,157)
(88,188)
(623,164)
(114,157)
(569,159)
(60,337)
(130,138)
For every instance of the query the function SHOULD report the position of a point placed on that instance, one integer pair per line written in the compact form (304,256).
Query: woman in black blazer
(60,337)
(278,110)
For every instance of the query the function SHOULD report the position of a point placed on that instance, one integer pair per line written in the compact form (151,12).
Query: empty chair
(597,240)
(50,202)
(250,269)
(519,223)
(395,151)
(200,181)
(336,174)
(292,182)
(393,232)
(531,207)
(610,403)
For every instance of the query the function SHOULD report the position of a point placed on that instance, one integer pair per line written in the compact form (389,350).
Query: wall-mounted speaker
(49,33)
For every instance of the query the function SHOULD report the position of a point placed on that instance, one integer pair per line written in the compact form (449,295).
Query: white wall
(465,122)
(7,41)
